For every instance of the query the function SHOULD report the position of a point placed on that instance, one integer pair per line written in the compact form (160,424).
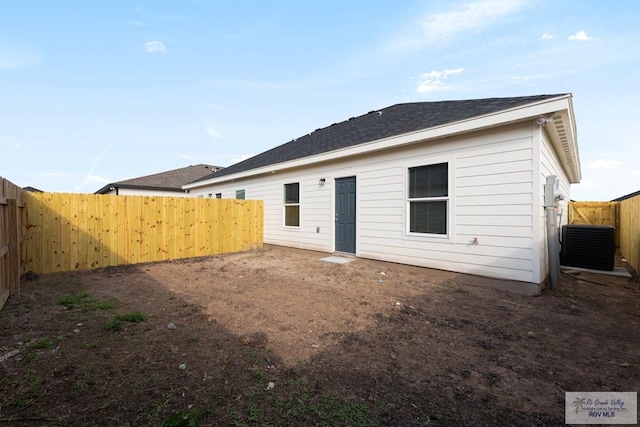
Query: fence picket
(630,224)
(11,239)
(624,216)
(67,232)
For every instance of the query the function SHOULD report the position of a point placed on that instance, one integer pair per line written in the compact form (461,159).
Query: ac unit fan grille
(588,246)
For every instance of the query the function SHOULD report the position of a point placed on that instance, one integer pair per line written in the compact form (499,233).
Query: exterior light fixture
(322,181)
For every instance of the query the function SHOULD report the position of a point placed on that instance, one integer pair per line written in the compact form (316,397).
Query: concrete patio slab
(337,259)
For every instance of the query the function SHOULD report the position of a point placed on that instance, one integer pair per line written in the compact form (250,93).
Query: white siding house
(165,184)
(464,194)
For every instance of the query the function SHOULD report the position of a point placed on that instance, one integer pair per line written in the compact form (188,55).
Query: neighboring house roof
(32,189)
(379,124)
(172,180)
(627,196)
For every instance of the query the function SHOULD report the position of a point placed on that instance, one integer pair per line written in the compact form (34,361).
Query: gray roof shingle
(391,121)
(626,196)
(172,180)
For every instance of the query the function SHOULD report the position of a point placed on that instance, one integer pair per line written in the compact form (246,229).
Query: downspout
(551,196)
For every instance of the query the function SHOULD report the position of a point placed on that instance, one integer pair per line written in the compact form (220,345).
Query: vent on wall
(588,246)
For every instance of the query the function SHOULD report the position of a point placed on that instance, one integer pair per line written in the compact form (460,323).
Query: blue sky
(102,91)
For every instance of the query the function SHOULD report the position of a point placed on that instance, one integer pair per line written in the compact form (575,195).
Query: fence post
(4,249)
(14,248)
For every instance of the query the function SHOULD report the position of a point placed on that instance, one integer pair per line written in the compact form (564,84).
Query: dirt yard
(277,337)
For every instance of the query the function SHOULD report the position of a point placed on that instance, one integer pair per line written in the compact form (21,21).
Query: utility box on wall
(588,246)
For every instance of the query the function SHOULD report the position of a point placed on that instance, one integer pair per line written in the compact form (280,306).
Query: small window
(292,204)
(218,195)
(428,199)
(240,194)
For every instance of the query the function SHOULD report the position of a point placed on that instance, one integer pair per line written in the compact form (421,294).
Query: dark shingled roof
(627,196)
(172,180)
(32,189)
(391,121)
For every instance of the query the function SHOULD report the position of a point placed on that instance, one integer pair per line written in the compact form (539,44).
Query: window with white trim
(240,194)
(292,204)
(428,201)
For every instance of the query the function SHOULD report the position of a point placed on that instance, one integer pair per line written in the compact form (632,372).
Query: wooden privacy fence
(624,215)
(596,213)
(10,239)
(66,232)
(630,231)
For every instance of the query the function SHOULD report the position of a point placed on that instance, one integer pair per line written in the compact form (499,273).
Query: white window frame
(285,205)
(447,199)
(244,194)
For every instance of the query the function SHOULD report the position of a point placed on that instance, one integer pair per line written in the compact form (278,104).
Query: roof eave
(108,187)
(542,108)
(563,135)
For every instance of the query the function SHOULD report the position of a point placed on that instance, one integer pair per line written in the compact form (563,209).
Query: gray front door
(346,215)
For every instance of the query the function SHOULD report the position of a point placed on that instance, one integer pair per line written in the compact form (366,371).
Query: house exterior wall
(549,164)
(137,192)
(491,198)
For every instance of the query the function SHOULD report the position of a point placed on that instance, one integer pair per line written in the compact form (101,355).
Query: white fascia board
(527,111)
(574,142)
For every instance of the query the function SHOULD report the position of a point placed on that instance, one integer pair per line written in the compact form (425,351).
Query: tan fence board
(80,231)
(65,237)
(624,215)
(56,219)
(11,239)
(596,213)
(119,241)
(593,213)
(13,257)
(74,233)
(172,231)
(630,227)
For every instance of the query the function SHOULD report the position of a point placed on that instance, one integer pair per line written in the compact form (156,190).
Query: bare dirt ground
(277,337)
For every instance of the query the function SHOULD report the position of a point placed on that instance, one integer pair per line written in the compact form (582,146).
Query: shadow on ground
(275,337)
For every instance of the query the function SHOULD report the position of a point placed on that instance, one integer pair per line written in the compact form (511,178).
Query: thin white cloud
(241,158)
(138,21)
(98,179)
(547,36)
(171,18)
(533,77)
(264,84)
(580,36)
(435,80)
(17,60)
(90,177)
(54,174)
(142,17)
(213,132)
(468,17)
(155,47)
(187,157)
(604,164)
